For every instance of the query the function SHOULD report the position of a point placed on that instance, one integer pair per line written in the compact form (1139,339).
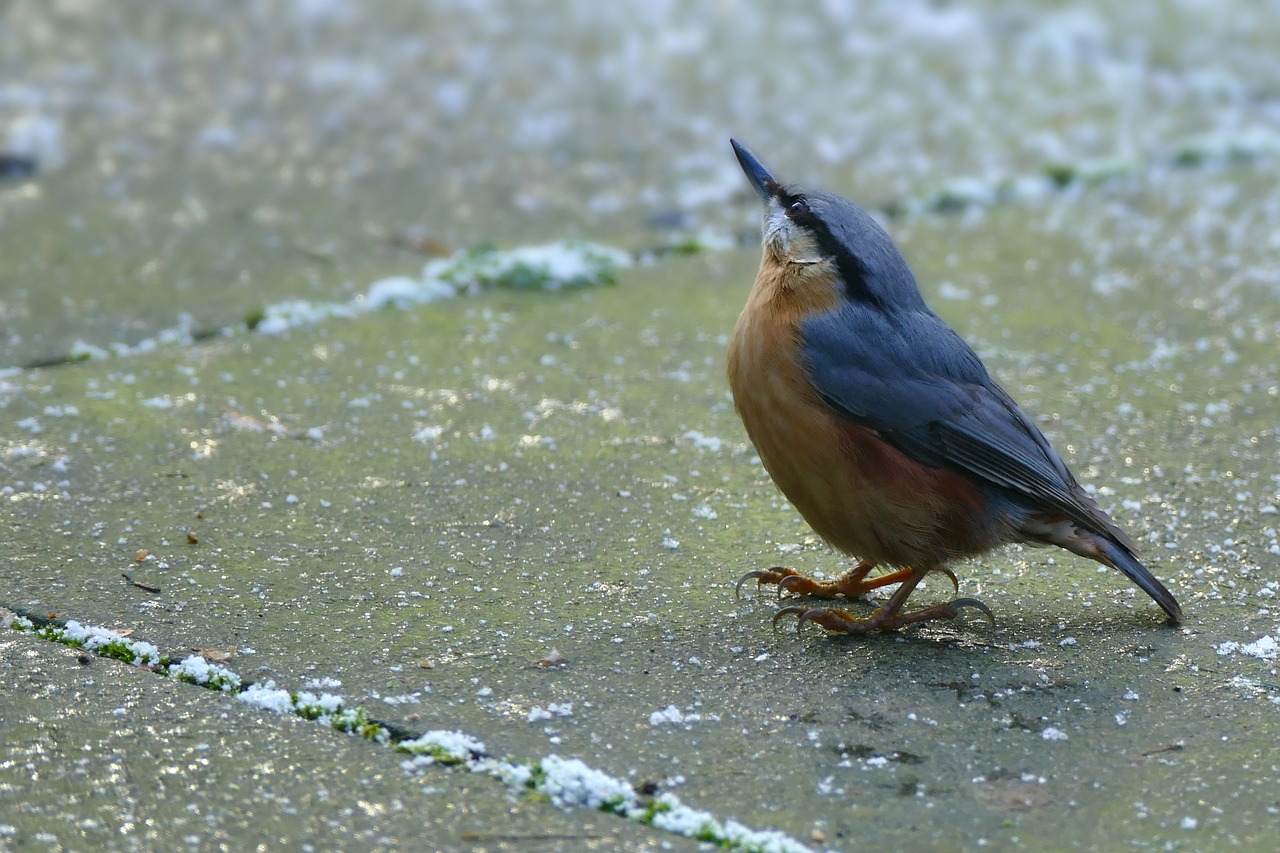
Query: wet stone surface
(420,508)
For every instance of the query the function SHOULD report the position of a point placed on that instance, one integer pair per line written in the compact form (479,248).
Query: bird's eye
(798,210)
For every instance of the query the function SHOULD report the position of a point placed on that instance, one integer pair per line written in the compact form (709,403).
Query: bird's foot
(884,619)
(851,584)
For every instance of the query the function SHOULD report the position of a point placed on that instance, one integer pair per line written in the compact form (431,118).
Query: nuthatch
(882,426)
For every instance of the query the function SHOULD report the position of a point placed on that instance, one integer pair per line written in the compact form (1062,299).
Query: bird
(883,427)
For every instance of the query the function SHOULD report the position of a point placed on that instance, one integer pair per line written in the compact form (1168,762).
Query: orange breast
(857,492)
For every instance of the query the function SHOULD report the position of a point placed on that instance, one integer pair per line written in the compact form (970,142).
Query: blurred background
(193,162)
(425,504)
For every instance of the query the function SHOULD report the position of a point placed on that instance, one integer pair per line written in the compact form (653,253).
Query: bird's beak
(764,184)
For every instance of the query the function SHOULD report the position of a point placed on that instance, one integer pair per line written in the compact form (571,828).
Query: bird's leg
(887,618)
(851,584)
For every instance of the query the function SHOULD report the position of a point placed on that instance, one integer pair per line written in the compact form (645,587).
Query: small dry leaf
(216,655)
(427,663)
(191,539)
(552,660)
(1176,746)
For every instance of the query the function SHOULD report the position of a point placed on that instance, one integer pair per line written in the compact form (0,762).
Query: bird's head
(815,234)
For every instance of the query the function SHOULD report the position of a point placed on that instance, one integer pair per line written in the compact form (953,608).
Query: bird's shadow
(971,640)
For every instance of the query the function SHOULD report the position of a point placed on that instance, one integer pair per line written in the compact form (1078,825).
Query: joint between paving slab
(564,782)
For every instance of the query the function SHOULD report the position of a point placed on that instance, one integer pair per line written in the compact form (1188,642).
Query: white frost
(267,695)
(200,671)
(703,442)
(455,745)
(1266,648)
(92,639)
(671,715)
(570,782)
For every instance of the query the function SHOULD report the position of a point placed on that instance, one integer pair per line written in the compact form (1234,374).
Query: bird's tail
(1118,556)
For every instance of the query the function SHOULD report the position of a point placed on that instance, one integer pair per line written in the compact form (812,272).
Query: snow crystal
(92,639)
(268,696)
(686,821)
(515,776)
(673,716)
(325,703)
(1265,648)
(562,709)
(455,744)
(402,291)
(428,434)
(703,442)
(571,782)
(552,267)
(283,316)
(764,840)
(196,669)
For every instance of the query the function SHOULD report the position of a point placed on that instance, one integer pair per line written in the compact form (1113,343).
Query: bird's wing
(923,390)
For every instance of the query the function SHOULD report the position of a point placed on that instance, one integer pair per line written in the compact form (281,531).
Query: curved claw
(789,581)
(809,614)
(976,605)
(955,581)
(773,574)
(754,573)
(793,610)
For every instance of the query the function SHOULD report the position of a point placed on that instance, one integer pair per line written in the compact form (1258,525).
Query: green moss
(306,712)
(537,777)
(615,805)
(949,201)
(485,267)
(373,731)
(707,832)
(652,809)
(348,720)
(1062,174)
(1189,158)
(684,246)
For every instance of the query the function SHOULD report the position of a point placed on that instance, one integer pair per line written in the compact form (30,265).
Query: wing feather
(914,381)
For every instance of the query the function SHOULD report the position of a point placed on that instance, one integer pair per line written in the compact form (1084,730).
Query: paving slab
(498,478)
(97,755)
(519,514)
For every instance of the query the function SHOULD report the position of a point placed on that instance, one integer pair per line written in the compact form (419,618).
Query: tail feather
(1117,552)
(1119,557)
